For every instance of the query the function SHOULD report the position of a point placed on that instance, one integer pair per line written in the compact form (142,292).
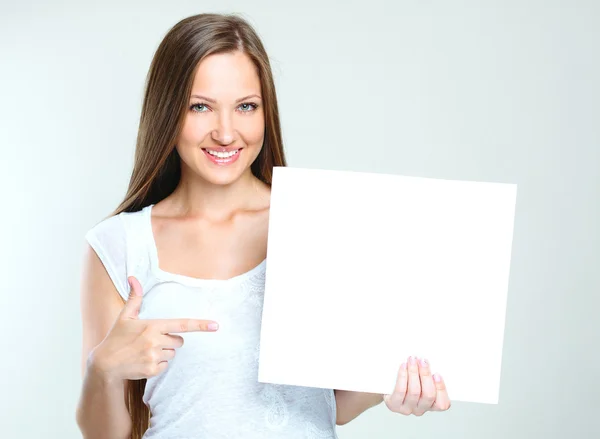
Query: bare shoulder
(261,201)
(257,211)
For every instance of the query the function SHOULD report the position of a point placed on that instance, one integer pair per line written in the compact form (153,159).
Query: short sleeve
(109,241)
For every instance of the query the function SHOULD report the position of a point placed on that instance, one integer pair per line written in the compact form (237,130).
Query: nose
(223,133)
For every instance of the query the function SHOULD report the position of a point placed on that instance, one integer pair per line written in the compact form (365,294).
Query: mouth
(221,156)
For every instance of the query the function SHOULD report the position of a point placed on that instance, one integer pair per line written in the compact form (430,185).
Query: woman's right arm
(102,410)
(119,346)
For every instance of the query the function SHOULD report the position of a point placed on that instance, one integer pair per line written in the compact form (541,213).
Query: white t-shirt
(210,389)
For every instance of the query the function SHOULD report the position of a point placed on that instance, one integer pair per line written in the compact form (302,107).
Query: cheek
(193,131)
(255,131)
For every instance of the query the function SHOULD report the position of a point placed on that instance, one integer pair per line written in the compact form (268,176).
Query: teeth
(222,155)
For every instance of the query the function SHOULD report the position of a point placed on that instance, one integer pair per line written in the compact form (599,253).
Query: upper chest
(203,249)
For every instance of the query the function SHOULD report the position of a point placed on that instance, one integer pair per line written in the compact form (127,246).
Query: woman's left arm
(417,391)
(351,404)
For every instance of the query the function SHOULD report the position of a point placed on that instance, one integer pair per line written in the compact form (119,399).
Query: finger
(428,390)
(442,400)
(399,393)
(186,325)
(170,341)
(414,385)
(167,355)
(132,307)
(161,367)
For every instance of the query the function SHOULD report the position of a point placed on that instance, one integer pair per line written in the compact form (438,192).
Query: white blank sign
(364,270)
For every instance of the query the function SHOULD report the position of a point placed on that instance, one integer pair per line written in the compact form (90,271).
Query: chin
(221,178)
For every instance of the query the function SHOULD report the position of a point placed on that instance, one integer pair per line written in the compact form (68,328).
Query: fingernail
(412,360)
(423,362)
(437,378)
(213,326)
(403,366)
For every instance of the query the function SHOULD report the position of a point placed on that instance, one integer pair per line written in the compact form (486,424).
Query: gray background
(503,91)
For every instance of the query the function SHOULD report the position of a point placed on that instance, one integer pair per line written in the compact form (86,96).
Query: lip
(223,149)
(220,161)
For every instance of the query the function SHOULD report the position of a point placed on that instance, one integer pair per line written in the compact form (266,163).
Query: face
(224,126)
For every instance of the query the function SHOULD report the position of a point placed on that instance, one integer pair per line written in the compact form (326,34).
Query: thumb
(134,301)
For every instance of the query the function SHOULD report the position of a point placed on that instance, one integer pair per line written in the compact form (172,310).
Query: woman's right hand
(136,349)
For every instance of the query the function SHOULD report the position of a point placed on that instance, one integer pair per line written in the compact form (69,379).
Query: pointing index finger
(187,325)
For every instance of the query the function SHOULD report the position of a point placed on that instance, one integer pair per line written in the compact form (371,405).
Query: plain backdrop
(504,91)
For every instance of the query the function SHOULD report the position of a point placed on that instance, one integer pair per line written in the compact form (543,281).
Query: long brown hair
(157,167)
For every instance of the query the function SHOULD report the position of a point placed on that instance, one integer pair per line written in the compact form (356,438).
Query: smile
(222,157)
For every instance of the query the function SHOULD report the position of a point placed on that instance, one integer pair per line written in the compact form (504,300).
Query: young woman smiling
(185,253)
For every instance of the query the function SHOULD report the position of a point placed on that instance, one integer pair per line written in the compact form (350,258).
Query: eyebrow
(212,101)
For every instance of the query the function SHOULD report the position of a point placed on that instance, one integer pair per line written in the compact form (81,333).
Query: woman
(185,253)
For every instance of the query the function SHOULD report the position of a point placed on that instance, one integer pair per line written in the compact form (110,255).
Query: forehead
(226,75)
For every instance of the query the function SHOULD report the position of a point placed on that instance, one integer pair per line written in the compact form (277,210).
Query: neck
(197,197)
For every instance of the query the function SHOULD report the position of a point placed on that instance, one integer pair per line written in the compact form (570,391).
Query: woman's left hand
(417,391)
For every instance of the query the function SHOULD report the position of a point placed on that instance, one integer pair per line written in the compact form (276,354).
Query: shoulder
(111,223)
(115,242)
(115,226)
(109,229)
(115,237)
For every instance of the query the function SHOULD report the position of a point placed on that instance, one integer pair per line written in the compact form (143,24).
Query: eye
(198,105)
(252,106)
(247,107)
